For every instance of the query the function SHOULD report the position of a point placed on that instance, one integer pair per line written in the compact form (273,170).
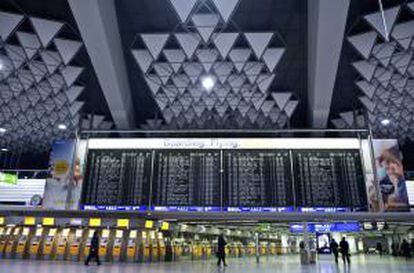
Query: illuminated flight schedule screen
(257,179)
(117,177)
(186,178)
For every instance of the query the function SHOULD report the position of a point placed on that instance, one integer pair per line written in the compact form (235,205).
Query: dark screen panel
(116,177)
(257,179)
(329,179)
(187,178)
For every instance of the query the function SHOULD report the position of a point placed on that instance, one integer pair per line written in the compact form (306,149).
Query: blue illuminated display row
(327,227)
(216,209)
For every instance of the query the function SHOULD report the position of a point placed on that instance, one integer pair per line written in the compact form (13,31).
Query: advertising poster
(390,175)
(60,184)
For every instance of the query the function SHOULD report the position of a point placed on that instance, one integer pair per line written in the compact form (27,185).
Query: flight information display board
(117,177)
(187,178)
(329,179)
(257,179)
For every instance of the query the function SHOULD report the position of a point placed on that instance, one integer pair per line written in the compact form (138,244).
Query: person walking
(379,248)
(221,250)
(344,249)
(334,248)
(93,252)
(405,249)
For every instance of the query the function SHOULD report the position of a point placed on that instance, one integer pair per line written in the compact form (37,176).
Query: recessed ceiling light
(2,130)
(385,122)
(208,82)
(4,150)
(62,127)
(1,65)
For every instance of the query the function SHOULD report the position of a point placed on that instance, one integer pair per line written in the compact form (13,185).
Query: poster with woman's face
(390,175)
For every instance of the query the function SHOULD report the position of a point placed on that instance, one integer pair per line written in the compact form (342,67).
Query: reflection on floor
(288,264)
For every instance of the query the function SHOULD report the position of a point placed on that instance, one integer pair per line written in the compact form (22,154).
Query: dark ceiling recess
(286,19)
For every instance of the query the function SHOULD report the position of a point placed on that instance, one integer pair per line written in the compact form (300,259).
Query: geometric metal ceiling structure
(241,64)
(386,75)
(38,85)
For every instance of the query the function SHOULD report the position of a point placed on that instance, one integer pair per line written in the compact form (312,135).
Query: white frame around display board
(221,144)
(224,143)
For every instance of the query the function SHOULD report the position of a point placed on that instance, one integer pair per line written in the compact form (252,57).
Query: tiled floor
(286,264)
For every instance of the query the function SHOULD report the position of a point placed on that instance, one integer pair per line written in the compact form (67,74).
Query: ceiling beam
(98,25)
(326,27)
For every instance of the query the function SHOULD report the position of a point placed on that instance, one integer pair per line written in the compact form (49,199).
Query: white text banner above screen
(224,143)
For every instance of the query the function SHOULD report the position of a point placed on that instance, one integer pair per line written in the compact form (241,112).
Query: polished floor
(286,264)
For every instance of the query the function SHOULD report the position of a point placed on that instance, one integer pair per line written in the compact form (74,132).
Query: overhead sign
(149,224)
(2,221)
(29,221)
(122,223)
(95,222)
(8,178)
(326,227)
(48,221)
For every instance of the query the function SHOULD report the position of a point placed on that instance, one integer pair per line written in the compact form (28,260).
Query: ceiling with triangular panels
(205,42)
(384,81)
(40,84)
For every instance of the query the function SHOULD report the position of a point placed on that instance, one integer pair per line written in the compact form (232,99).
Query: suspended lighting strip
(384,22)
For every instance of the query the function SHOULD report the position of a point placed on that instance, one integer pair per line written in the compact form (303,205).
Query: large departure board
(329,179)
(116,177)
(187,178)
(257,179)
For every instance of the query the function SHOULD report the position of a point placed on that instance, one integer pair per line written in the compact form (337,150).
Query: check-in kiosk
(104,244)
(2,239)
(145,247)
(177,246)
(75,245)
(48,244)
(87,246)
(118,245)
(11,242)
(7,233)
(131,254)
(22,243)
(161,247)
(35,242)
(62,243)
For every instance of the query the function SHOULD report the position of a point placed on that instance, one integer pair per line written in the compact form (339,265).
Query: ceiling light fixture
(62,127)
(2,130)
(1,65)
(385,122)
(4,150)
(208,82)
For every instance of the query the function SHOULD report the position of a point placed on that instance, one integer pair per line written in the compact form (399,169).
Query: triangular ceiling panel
(281,99)
(257,100)
(70,74)
(272,56)
(367,88)
(67,49)
(252,70)
(38,69)
(224,42)
(376,21)
(348,117)
(207,57)
(267,107)
(143,58)
(46,30)
(205,24)
(367,103)
(188,42)
(155,43)
(175,57)
(183,8)
(383,52)
(221,108)
(16,55)
(264,81)
(364,42)
(51,59)
(404,33)
(73,93)
(290,107)
(239,57)
(226,8)
(75,107)
(222,70)
(153,82)
(29,42)
(259,41)
(365,68)
(401,61)
(8,23)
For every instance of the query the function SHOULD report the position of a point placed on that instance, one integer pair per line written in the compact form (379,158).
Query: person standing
(379,248)
(221,251)
(344,248)
(93,252)
(405,249)
(334,248)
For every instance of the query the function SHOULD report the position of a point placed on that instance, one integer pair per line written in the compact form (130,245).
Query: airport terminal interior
(206,136)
